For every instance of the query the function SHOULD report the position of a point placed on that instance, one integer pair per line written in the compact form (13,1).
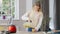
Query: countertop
(23,32)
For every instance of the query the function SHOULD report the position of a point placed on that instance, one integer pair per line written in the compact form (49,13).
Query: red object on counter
(12,29)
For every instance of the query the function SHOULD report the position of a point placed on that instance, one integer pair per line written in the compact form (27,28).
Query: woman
(35,16)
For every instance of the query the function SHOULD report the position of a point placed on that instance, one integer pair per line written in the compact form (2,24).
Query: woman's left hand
(34,30)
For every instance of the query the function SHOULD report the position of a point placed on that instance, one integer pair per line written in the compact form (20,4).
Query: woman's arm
(25,16)
(40,23)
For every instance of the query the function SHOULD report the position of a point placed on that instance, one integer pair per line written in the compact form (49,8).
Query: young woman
(35,16)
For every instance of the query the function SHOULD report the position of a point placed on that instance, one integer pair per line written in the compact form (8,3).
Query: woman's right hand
(29,21)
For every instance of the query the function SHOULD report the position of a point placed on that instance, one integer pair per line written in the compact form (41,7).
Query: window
(9,8)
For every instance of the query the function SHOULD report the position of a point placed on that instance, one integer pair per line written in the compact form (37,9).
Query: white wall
(28,5)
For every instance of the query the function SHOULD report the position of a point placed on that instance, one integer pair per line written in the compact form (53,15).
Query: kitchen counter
(23,32)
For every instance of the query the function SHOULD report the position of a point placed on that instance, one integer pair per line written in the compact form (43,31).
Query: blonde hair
(37,4)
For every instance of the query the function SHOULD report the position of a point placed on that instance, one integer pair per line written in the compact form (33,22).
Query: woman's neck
(36,10)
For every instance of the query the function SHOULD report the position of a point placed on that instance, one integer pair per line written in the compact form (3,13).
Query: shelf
(7,18)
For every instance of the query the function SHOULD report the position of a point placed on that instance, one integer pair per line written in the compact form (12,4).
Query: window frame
(16,13)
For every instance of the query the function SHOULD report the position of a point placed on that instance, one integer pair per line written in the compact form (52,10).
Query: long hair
(38,4)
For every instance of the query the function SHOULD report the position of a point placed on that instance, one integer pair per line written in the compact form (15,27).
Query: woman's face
(37,8)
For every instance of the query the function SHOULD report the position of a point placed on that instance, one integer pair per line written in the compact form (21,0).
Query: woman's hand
(29,21)
(34,30)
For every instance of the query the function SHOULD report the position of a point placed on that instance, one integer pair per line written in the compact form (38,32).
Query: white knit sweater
(35,17)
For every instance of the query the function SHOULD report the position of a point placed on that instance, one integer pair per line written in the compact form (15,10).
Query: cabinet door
(58,14)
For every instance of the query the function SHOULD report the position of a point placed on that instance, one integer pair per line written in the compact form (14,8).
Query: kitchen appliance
(11,27)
